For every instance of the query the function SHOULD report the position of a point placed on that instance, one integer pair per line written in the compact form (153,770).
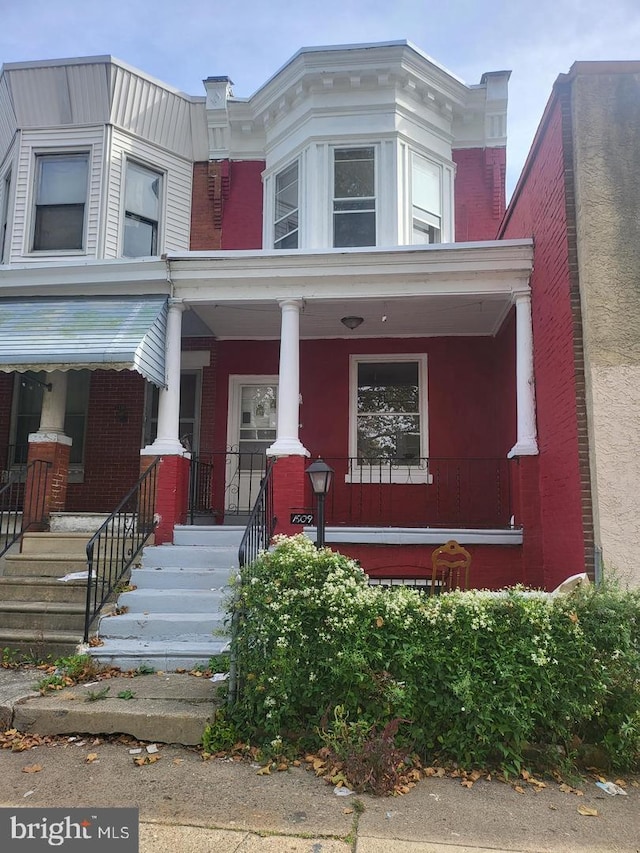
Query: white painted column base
(287,447)
(50,438)
(165,447)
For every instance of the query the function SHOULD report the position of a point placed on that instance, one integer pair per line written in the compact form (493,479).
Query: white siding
(60,139)
(53,96)
(176,211)
(150,111)
(8,124)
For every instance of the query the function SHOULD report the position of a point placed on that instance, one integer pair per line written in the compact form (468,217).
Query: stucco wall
(606,119)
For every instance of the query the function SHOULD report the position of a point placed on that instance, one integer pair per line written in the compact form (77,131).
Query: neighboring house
(578,197)
(311,271)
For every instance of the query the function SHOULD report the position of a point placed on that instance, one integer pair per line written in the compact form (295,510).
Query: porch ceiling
(419,316)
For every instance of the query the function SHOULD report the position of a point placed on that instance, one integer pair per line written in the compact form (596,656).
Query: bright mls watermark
(103,830)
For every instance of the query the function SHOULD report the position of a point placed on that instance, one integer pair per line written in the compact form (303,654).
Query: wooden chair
(450,567)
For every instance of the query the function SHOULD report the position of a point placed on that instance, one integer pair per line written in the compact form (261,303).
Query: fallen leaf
(566,789)
(264,771)
(525,775)
(554,808)
(32,768)
(347,811)
(621,783)
(588,812)
(518,789)
(467,783)
(282,766)
(91,757)
(178,760)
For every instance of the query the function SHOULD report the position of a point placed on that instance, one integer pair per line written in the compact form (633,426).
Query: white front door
(251,429)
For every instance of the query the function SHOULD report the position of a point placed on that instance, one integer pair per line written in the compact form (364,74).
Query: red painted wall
(6,398)
(479,192)
(538,210)
(242,211)
(492,566)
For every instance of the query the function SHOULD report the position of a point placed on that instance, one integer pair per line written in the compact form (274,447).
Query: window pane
(354,229)
(388,387)
(142,192)
(59,227)
(354,175)
(139,238)
(424,233)
(390,436)
(355,205)
(290,241)
(62,179)
(286,226)
(286,209)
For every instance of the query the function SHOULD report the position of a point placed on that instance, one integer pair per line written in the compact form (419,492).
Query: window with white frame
(60,202)
(354,197)
(426,200)
(4,218)
(388,412)
(143,188)
(286,214)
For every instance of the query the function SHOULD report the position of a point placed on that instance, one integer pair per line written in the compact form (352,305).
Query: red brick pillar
(527,512)
(45,490)
(288,491)
(172,493)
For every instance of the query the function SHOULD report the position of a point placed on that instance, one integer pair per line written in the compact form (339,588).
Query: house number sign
(301,518)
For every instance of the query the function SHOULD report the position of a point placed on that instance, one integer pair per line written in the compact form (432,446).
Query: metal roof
(109,333)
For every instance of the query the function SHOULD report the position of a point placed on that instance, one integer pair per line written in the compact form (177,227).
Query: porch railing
(428,492)
(115,545)
(225,483)
(16,502)
(257,535)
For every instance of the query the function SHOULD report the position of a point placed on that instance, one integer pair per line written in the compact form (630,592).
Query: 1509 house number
(301,518)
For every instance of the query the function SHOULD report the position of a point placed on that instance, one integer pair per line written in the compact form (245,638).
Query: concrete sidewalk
(187,804)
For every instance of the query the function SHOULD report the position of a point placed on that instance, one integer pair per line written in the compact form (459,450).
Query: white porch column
(167,442)
(287,442)
(527,439)
(54,404)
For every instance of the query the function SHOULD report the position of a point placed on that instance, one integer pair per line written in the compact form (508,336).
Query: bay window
(354,197)
(426,202)
(285,228)
(142,211)
(60,202)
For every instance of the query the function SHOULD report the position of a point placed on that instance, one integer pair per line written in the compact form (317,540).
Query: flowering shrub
(470,676)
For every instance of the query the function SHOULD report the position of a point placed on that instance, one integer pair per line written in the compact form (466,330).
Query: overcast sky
(183,41)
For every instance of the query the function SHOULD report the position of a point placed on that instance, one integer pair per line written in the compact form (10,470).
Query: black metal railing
(262,522)
(23,502)
(426,492)
(119,540)
(257,536)
(225,483)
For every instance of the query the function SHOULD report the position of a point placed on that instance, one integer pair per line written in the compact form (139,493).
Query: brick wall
(113,441)
(205,226)
(226,210)
(543,208)
(479,192)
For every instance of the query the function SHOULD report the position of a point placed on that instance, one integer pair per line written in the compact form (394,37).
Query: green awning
(70,333)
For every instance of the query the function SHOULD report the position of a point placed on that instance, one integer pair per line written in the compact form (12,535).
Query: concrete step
(46,544)
(172,577)
(41,589)
(57,565)
(216,534)
(162,627)
(172,708)
(167,657)
(41,645)
(173,600)
(42,615)
(77,522)
(190,556)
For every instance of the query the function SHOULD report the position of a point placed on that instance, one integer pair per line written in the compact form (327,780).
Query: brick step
(42,615)
(44,589)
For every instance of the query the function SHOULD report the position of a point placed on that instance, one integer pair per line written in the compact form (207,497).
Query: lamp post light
(320,475)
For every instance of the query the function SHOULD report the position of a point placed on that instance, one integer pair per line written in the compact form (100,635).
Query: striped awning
(70,333)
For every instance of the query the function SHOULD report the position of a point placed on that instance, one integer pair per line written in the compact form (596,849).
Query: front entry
(251,429)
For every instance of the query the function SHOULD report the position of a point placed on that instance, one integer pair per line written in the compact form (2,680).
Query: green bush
(471,677)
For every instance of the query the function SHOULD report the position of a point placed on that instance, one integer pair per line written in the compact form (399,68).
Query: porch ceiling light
(320,475)
(352,322)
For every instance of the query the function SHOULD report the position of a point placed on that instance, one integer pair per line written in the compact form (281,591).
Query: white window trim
(402,473)
(447,203)
(33,193)
(151,167)
(342,146)
(6,214)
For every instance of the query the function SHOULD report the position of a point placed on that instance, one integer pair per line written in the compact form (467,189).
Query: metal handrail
(15,500)
(257,536)
(118,541)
